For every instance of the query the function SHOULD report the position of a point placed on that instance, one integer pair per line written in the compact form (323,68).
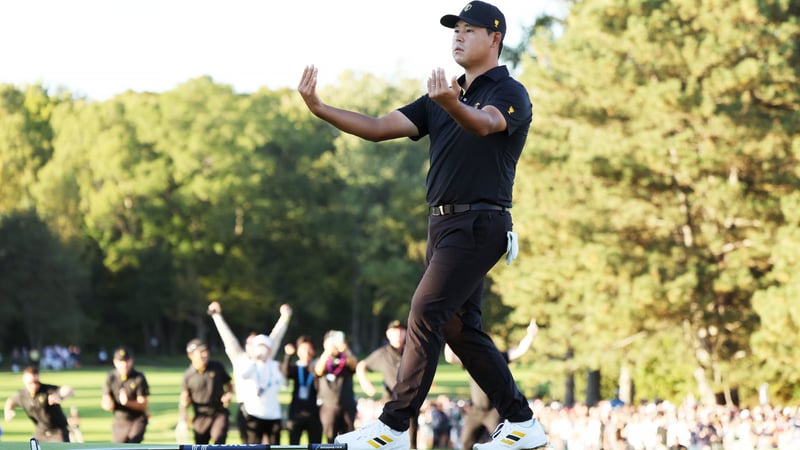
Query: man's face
(261,352)
(396,337)
(123,366)
(255,350)
(335,343)
(471,44)
(199,358)
(248,345)
(305,351)
(31,382)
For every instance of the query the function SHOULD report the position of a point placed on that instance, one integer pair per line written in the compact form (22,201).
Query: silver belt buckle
(441,210)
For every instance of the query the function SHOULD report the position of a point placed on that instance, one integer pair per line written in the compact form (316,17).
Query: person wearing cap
(42,404)
(125,392)
(477,126)
(257,377)
(386,360)
(336,397)
(303,413)
(208,388)
(481,417)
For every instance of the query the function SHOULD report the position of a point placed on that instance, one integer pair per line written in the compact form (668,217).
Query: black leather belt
(443,210)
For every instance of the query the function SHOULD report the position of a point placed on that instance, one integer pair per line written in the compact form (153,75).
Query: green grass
(165,384)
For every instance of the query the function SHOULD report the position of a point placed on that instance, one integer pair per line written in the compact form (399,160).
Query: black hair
(304,338)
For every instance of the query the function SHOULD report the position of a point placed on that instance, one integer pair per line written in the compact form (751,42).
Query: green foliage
(25,142)
(40,276)
(201,194)
(664,141)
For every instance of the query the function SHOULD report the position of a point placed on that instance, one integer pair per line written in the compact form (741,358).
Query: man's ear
(497,39)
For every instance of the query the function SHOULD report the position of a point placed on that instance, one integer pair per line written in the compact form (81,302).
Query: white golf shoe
(375,436)
(516,436)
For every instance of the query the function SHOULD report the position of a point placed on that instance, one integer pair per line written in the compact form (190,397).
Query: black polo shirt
(46,417)
(135,385)
(206,388)
(465,168)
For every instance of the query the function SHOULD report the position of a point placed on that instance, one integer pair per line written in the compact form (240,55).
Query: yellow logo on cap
(496,23)
(511,110)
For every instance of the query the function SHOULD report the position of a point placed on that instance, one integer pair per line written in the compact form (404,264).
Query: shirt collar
(496,73)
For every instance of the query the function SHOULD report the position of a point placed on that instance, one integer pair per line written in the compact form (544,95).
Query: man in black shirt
(125,392)
(208,388)
(477,124)
(303,412)
(42,404)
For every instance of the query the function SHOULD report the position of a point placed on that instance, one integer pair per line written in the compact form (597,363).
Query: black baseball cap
(395,324)
(478,13)
(195,344)
(123,354)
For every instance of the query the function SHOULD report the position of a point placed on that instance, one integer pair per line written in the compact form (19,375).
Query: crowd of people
(663,425)
(645,426)
(51,357)
(324,403)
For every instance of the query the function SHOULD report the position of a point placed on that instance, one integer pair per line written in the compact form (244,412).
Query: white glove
(182,433)
(512,249)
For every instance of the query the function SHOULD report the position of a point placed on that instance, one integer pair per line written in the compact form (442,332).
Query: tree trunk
(704,390)
(592,387)
(569,389)
(625,385)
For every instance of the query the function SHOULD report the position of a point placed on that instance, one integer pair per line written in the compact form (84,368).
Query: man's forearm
(232,346)
(278,332)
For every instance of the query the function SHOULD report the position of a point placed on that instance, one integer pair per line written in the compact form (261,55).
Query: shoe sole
(545,446)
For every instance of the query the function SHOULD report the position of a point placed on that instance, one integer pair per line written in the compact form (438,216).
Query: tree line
(656,203)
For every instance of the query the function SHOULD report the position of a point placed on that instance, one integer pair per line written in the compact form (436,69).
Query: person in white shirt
(257,377)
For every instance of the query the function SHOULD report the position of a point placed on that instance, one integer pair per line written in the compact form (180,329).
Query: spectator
(102,356)
(257,378)
(440,422)
(125,393)
(42,404)
(303,408)
(208,389)
(386,360)
(335,369)
(74,361)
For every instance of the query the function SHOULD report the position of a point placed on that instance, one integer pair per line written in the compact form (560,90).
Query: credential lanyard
(309,379)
